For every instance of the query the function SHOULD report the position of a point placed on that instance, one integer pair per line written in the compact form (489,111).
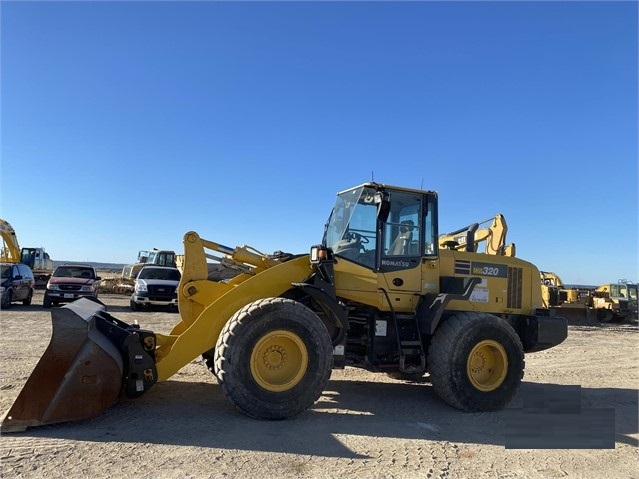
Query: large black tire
(476,362)
(273,358)
(46,302)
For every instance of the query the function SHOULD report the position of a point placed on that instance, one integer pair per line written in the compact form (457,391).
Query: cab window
(403,227)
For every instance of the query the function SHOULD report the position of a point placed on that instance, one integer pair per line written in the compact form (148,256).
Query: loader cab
(161,258)
(382,228)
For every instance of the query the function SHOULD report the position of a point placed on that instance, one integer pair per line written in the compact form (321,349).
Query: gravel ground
(575,416)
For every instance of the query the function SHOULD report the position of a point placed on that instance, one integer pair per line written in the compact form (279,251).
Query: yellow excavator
(10,252)
(377,294)
(470,237)
(37,259)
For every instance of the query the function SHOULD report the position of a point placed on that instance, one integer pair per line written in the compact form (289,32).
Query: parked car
(155,286)
(18,284)
(70,282)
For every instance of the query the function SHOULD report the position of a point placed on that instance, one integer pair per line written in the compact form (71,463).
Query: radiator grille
(69,287)
(515,276)
(162,292)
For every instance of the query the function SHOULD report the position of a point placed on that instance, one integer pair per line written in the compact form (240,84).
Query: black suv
(18,284)
(70,282)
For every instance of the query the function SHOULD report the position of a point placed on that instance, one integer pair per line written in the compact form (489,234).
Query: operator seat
(400,245)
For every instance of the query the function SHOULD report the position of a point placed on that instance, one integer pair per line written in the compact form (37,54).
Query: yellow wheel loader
(377,293)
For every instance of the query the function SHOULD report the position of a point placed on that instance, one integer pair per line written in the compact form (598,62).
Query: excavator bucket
(79,375)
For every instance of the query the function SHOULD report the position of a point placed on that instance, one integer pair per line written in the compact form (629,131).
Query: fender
(329,306)
(430,310)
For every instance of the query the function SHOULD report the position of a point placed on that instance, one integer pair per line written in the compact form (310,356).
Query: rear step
(92,358)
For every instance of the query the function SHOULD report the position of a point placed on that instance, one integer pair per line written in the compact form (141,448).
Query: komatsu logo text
(401,264)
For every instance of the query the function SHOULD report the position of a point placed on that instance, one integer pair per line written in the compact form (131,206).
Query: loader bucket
(78,376)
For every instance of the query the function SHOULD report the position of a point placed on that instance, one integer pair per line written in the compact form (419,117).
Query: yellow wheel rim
(279,361)
(487,365)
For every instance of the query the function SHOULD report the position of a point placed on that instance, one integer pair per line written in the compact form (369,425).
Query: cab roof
(384,186)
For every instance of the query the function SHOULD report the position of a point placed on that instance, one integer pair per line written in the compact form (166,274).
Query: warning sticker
(479,295)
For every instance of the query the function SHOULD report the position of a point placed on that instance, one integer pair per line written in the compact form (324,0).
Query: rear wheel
(28,299)
(273,358)
(476,362)
(7,299)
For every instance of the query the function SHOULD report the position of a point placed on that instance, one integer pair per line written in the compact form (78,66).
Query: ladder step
(412,351)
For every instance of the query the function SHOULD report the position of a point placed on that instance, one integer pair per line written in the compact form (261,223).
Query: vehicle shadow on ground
(114,309)
(18,308)
(21,308)
(198,414)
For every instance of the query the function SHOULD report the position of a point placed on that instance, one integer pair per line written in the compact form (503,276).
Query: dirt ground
(575,416)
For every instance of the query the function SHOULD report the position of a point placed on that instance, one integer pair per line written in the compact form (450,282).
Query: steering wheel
(357,237)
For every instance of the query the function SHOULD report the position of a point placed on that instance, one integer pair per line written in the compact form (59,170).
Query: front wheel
(7,299)
(134,306)
(476,362)
(273,358)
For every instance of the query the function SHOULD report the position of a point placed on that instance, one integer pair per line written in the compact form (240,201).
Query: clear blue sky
(127,124)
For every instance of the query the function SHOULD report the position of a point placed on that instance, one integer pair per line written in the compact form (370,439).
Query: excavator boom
(10,252)
(470,237)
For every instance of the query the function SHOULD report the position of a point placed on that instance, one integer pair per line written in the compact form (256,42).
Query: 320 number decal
(486,271)
(489,269)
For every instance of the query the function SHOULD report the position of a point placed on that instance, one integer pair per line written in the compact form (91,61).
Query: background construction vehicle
(272,334)
(612,302)
(470,237)
(155,257)
(125,284)
(37,259)
(622,298)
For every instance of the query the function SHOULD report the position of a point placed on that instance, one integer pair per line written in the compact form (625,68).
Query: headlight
(52,287)
(140,288)
(87,289)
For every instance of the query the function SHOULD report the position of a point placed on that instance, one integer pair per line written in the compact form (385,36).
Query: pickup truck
(155,286)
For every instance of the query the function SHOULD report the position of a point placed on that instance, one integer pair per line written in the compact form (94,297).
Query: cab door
(399,269)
